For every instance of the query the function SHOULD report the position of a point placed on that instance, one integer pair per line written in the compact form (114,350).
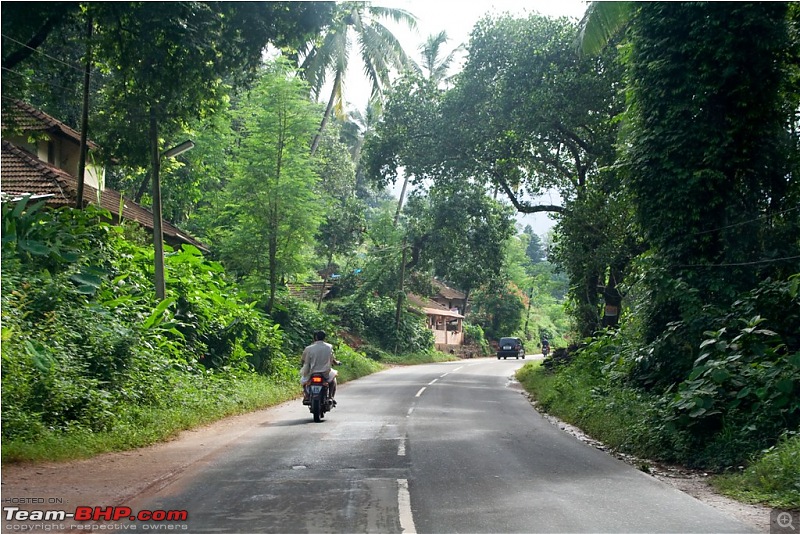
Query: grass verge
(772,479)
(142,426)
(193,408)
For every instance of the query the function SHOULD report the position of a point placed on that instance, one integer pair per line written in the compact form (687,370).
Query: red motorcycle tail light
(316,379)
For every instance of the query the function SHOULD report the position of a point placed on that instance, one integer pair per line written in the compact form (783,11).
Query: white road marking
(404,507)
(410,411)
(420,391)
(432,382)
(401,448)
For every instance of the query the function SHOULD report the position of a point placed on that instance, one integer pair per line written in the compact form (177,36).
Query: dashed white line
(432,382)
(410,411)
(404,507)
(420,391)
(401,448)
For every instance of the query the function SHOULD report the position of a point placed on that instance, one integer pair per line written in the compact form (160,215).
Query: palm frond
(601,22)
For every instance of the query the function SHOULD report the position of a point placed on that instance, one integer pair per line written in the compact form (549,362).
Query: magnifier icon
(784,520)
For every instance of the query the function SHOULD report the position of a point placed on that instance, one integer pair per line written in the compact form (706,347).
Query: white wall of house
(65,155)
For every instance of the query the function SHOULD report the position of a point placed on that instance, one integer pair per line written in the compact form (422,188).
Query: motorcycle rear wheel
(316,409)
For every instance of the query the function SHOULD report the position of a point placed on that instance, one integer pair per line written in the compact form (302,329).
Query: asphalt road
(452,447)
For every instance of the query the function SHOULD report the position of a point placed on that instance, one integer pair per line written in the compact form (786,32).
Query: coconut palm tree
(434,67)
(355,24)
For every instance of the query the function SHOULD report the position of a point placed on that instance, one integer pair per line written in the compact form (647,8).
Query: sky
(457,18)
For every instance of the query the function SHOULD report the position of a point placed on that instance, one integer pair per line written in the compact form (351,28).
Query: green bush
(374,319)
(473,336)
(299,320)
(737,398)
(84,342)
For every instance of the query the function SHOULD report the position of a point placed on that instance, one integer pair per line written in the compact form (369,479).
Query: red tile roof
(448,292)
(23,117)
(22,173)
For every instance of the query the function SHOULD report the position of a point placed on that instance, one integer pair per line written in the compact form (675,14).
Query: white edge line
(404,507)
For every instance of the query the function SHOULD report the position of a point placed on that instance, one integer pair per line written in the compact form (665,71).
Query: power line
(746,222)
(79,69)
(742,264)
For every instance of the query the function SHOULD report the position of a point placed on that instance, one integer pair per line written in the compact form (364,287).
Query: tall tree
(378,48)
(706,154)
(343,226)
(435,65)
(140,48)
(534,249)
(271,208)
(528,116)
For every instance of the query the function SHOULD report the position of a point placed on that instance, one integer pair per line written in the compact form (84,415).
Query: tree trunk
(326,116)
(400,202)
(158,236)
(613,300)
(326,275)
(400,297)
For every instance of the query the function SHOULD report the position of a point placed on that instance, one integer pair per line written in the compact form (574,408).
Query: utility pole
(528,316)
(400,295)
(84,116)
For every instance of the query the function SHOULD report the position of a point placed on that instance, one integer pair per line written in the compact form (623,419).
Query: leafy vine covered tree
(706,158)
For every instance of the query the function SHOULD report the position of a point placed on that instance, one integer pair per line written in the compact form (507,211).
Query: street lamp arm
(178,150)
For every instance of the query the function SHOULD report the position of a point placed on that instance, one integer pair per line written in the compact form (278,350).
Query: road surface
(450,447)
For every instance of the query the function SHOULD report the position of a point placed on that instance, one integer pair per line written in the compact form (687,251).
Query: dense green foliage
(267,207)
(709,182)
(373,319)
(85,348)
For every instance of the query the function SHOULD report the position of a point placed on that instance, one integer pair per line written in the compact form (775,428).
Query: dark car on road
(510,347)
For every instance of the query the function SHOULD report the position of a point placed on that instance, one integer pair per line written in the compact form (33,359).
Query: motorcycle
(545,350)
(317,396)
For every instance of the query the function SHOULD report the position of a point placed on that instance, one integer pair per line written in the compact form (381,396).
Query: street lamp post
(158,231)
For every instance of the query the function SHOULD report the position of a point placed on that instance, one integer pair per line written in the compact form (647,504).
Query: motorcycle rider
(318,358)
(545,346)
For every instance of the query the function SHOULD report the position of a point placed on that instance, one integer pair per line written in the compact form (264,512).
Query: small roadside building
(450,298)
(447,325)
(40,158)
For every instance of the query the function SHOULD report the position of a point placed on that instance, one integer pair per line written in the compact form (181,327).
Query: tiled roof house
(47,167)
